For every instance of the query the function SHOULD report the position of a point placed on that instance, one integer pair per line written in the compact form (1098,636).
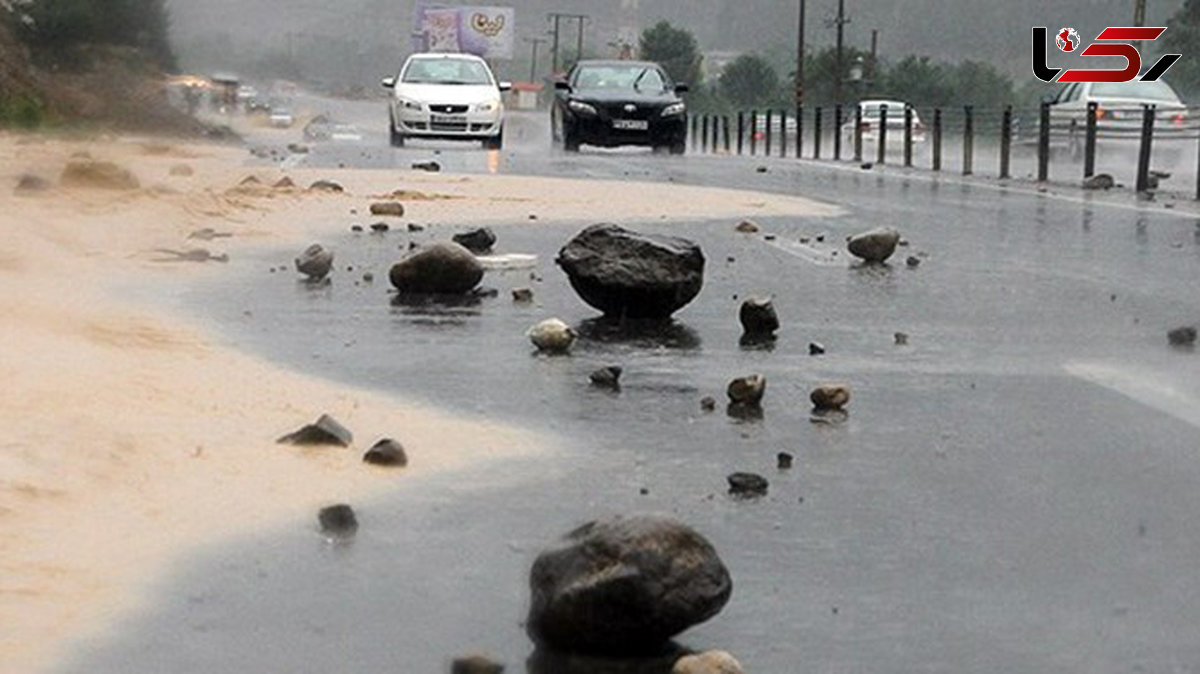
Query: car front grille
(449,109)
(618,111)
(453,127)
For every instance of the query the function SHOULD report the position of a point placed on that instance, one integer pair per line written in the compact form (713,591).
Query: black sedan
(614,103)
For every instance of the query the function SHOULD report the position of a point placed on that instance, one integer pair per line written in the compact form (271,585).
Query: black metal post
(704,134)
(1143,169)
(695,135)
(783,134)
(1006,142)
(800,132)
(767,132)
(937,139)
(741,135)
(725,128)
(908,136)
(1089,141)
(858,131)
(837,131)
(968,140)
(817,133)
(753,132)
(881,150)
(1044,143)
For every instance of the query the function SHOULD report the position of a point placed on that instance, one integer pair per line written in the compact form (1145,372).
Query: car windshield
(874,109)
(630,77)
(1142,91)
(446,71)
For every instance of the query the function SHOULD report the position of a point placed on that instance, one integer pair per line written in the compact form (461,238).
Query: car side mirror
(505,86)
(562,85)
(681,88)
(389,83)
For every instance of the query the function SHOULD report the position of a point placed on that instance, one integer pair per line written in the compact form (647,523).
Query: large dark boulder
(630,275)
(440,269)
(624,586)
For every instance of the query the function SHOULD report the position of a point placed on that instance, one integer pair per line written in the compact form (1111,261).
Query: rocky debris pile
(479,241)
(440,269)
(338,520)
(758,317)
(386,452)
(552,336)
(315,263)
(393,209)
(326,431)
(624,586)
(710,662)
(874,246)
(630,275)
(99,175)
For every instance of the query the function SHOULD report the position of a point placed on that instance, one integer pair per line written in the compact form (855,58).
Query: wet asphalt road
(1014,491)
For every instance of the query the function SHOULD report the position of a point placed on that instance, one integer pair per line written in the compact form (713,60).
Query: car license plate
(449,119)
(631,124)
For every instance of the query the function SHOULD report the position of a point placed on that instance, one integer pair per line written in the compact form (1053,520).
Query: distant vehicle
(872,117)
(1118,114)
(246,93)
(447,97)
(257,106)
(318,128)
(346,133)
(282,118)
(614,103)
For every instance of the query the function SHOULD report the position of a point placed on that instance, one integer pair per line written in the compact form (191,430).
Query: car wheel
(569,142)
(678,147)
(397,138)
(494,143)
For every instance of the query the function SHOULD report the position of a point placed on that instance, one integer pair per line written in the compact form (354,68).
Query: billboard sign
(484,31)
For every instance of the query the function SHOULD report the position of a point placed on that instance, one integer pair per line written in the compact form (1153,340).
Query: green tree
(821,74)
(980,85)
(919,81)
(749,80)
(57,28)
(1183,37)
(674,49)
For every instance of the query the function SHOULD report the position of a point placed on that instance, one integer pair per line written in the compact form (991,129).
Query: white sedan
(448,97)
(872,116)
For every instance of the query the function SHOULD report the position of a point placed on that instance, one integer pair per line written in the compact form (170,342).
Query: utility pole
(557,18)
(1139,18)
(874,51)
(535,41)
(841,22)
(800,60)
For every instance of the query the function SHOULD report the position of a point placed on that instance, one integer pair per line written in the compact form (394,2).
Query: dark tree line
(55,30)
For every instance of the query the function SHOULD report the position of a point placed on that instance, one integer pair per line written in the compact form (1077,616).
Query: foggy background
(358,41)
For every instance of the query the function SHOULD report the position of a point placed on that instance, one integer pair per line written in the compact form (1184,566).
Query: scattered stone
(393,209)
(552,336)
(326,186)
(747,390)
(386,452)
(867,166)
(478,241)
(440,269)
(430,166)
(747,227)
(190,255)
(522,295)
(821,239)
(1185,336)
(901,338)
(785,460)
(326,431)
(1100,181)
(708,404)
(368,277)
(338,520)
(249,181)
(30,183)
(747,485)
(760,169)
(816,349)
(208,234)
(381,228)
(758,317)
(533,216)
(98,174)
(913,262)
(830,396)
(315,262)
(903,243)
(475,664)
(710,662)
(630,275)
(356,228)
(486,293)
(182,170)
(284,183)
(625,586)
(876,245)
(297,148)
(414,227)
(607,377)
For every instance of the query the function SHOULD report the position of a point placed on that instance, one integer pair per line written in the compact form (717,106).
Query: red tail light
(1100,112)
(865,126)
(759,135)
(1179,120)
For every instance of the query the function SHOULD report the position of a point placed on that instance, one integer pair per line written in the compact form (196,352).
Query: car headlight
(674,109)
(582,108)
(410,105)
(490,106)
